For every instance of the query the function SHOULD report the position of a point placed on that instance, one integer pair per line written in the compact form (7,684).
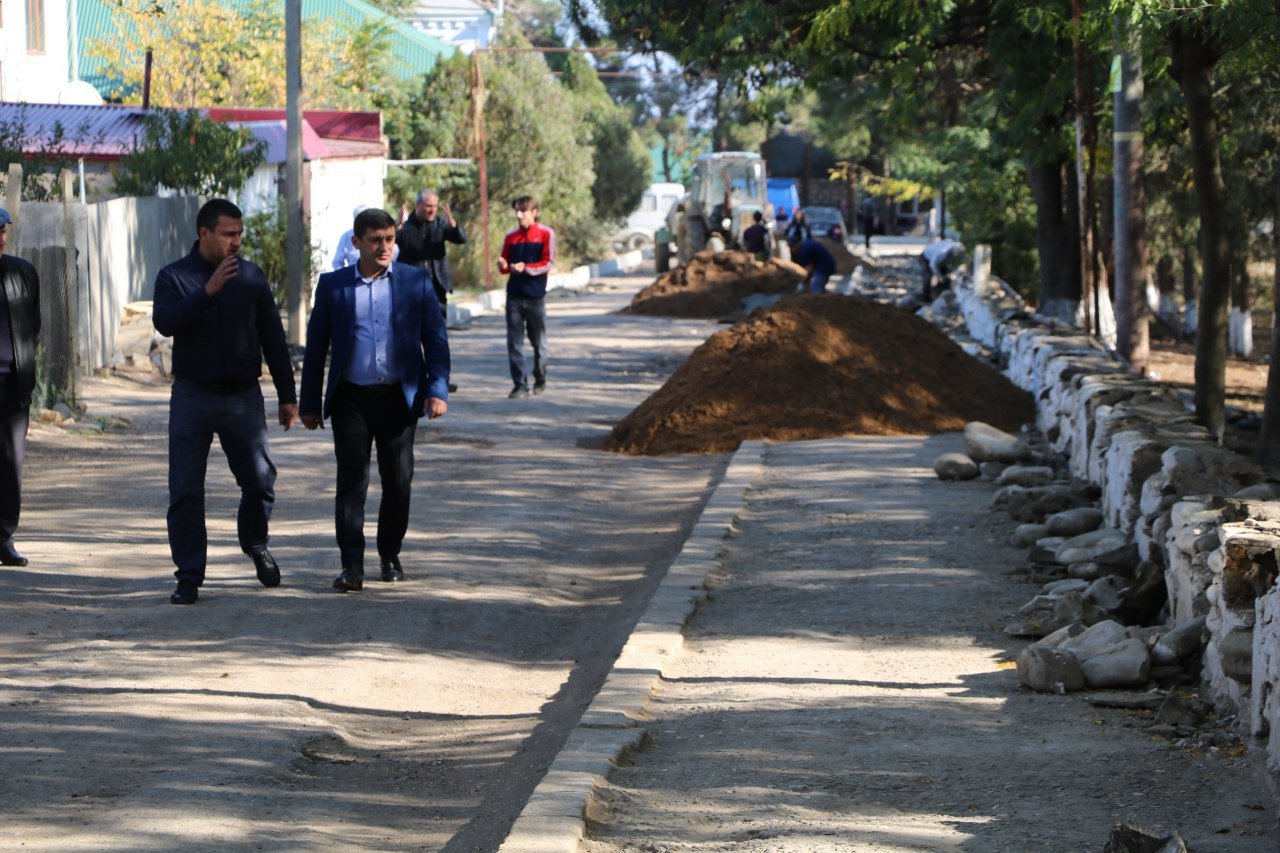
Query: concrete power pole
(295,260)
(1132,332)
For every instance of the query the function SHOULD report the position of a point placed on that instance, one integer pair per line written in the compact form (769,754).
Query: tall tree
(183,151)
(533,145)
(1132,334)
(212,54)
(1194,50)
(619,157)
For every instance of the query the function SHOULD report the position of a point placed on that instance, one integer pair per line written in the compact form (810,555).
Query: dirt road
(846,687)
(405,717)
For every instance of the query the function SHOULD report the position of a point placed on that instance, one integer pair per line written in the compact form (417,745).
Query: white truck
(644,223)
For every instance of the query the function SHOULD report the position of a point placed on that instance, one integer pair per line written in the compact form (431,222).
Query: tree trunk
(719,136)
(1059,262)
(1129,220)
(1071,232)
(1084,178)
(1269,438)
(1194,54)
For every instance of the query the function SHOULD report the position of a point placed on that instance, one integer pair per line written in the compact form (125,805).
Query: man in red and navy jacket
(527,255)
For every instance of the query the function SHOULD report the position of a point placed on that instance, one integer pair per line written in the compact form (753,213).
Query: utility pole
(1132,333)
(295,261)
(478,96)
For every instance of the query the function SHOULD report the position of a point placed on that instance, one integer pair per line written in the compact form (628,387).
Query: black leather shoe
(539,385)
(452,387)
(349,581)
(517,392)
(268,571)
(186,593)
(391,570)
(9,555)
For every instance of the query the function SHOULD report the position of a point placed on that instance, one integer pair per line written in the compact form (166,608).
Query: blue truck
(784,195)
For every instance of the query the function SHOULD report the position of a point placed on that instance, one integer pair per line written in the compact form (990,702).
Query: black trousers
(197,413)
(530,314)
(15,417)
(363,417)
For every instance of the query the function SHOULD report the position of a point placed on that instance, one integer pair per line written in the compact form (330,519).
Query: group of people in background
(818,261)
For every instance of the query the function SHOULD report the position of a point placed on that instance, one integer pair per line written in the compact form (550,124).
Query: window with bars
(35,26)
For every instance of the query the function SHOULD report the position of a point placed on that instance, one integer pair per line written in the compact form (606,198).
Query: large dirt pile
(713,284)
(815,366)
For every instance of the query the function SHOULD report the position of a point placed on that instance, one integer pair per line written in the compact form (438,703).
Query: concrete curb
(555,817)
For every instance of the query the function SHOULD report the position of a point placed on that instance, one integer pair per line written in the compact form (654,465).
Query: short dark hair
(372,218)
(758,216)
(525,202)
(213,210)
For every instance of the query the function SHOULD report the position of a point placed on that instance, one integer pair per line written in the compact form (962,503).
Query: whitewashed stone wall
(1204,515)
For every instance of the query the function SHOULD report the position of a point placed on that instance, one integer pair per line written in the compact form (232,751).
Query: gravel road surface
(846,688)
(405,717)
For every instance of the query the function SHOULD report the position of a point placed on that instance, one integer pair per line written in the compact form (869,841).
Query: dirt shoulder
(847,687)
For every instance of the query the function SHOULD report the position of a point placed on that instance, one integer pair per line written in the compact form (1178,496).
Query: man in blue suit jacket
(389,367)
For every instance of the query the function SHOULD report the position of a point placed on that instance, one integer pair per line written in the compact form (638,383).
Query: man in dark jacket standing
(19,331)
(223,318)
(421,239)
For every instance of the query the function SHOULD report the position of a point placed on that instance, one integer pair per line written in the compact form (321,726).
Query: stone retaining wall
(1206,516)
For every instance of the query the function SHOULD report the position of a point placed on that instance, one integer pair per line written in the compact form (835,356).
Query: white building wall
(261,191)
(460,23)
(27,77)
(337,186)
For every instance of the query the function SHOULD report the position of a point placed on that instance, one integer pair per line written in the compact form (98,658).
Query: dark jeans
(442,296)
(818,284)
(14,420)
(196,415)
(530,314)
(926,279)
(362,416)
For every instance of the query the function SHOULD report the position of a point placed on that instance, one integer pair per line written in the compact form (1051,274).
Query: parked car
(827,222)
(641,225)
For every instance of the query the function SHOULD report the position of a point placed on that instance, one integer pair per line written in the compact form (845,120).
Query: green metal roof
(414,52)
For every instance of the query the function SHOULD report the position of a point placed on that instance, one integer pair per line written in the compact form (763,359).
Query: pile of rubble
(813,366)
(714,284)
(76,420)
(1097,619)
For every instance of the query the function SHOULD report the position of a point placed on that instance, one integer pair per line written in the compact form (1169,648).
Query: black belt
(368,390)
(224,388)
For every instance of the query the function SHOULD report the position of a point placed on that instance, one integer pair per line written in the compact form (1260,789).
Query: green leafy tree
(620,159)
(264,244)
(40,162)
(213,54)
(181,150)
(532,146)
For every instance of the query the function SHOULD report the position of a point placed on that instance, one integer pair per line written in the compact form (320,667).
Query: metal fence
(53,256)
(93,259)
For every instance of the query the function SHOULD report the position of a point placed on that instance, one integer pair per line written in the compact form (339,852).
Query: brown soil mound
(815,366)
(713,284)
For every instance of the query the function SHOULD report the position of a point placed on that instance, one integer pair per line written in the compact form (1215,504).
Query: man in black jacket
(421,239)
(19,331)
(222,316)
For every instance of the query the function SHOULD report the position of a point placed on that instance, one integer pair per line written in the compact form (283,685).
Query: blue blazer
(421,346)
